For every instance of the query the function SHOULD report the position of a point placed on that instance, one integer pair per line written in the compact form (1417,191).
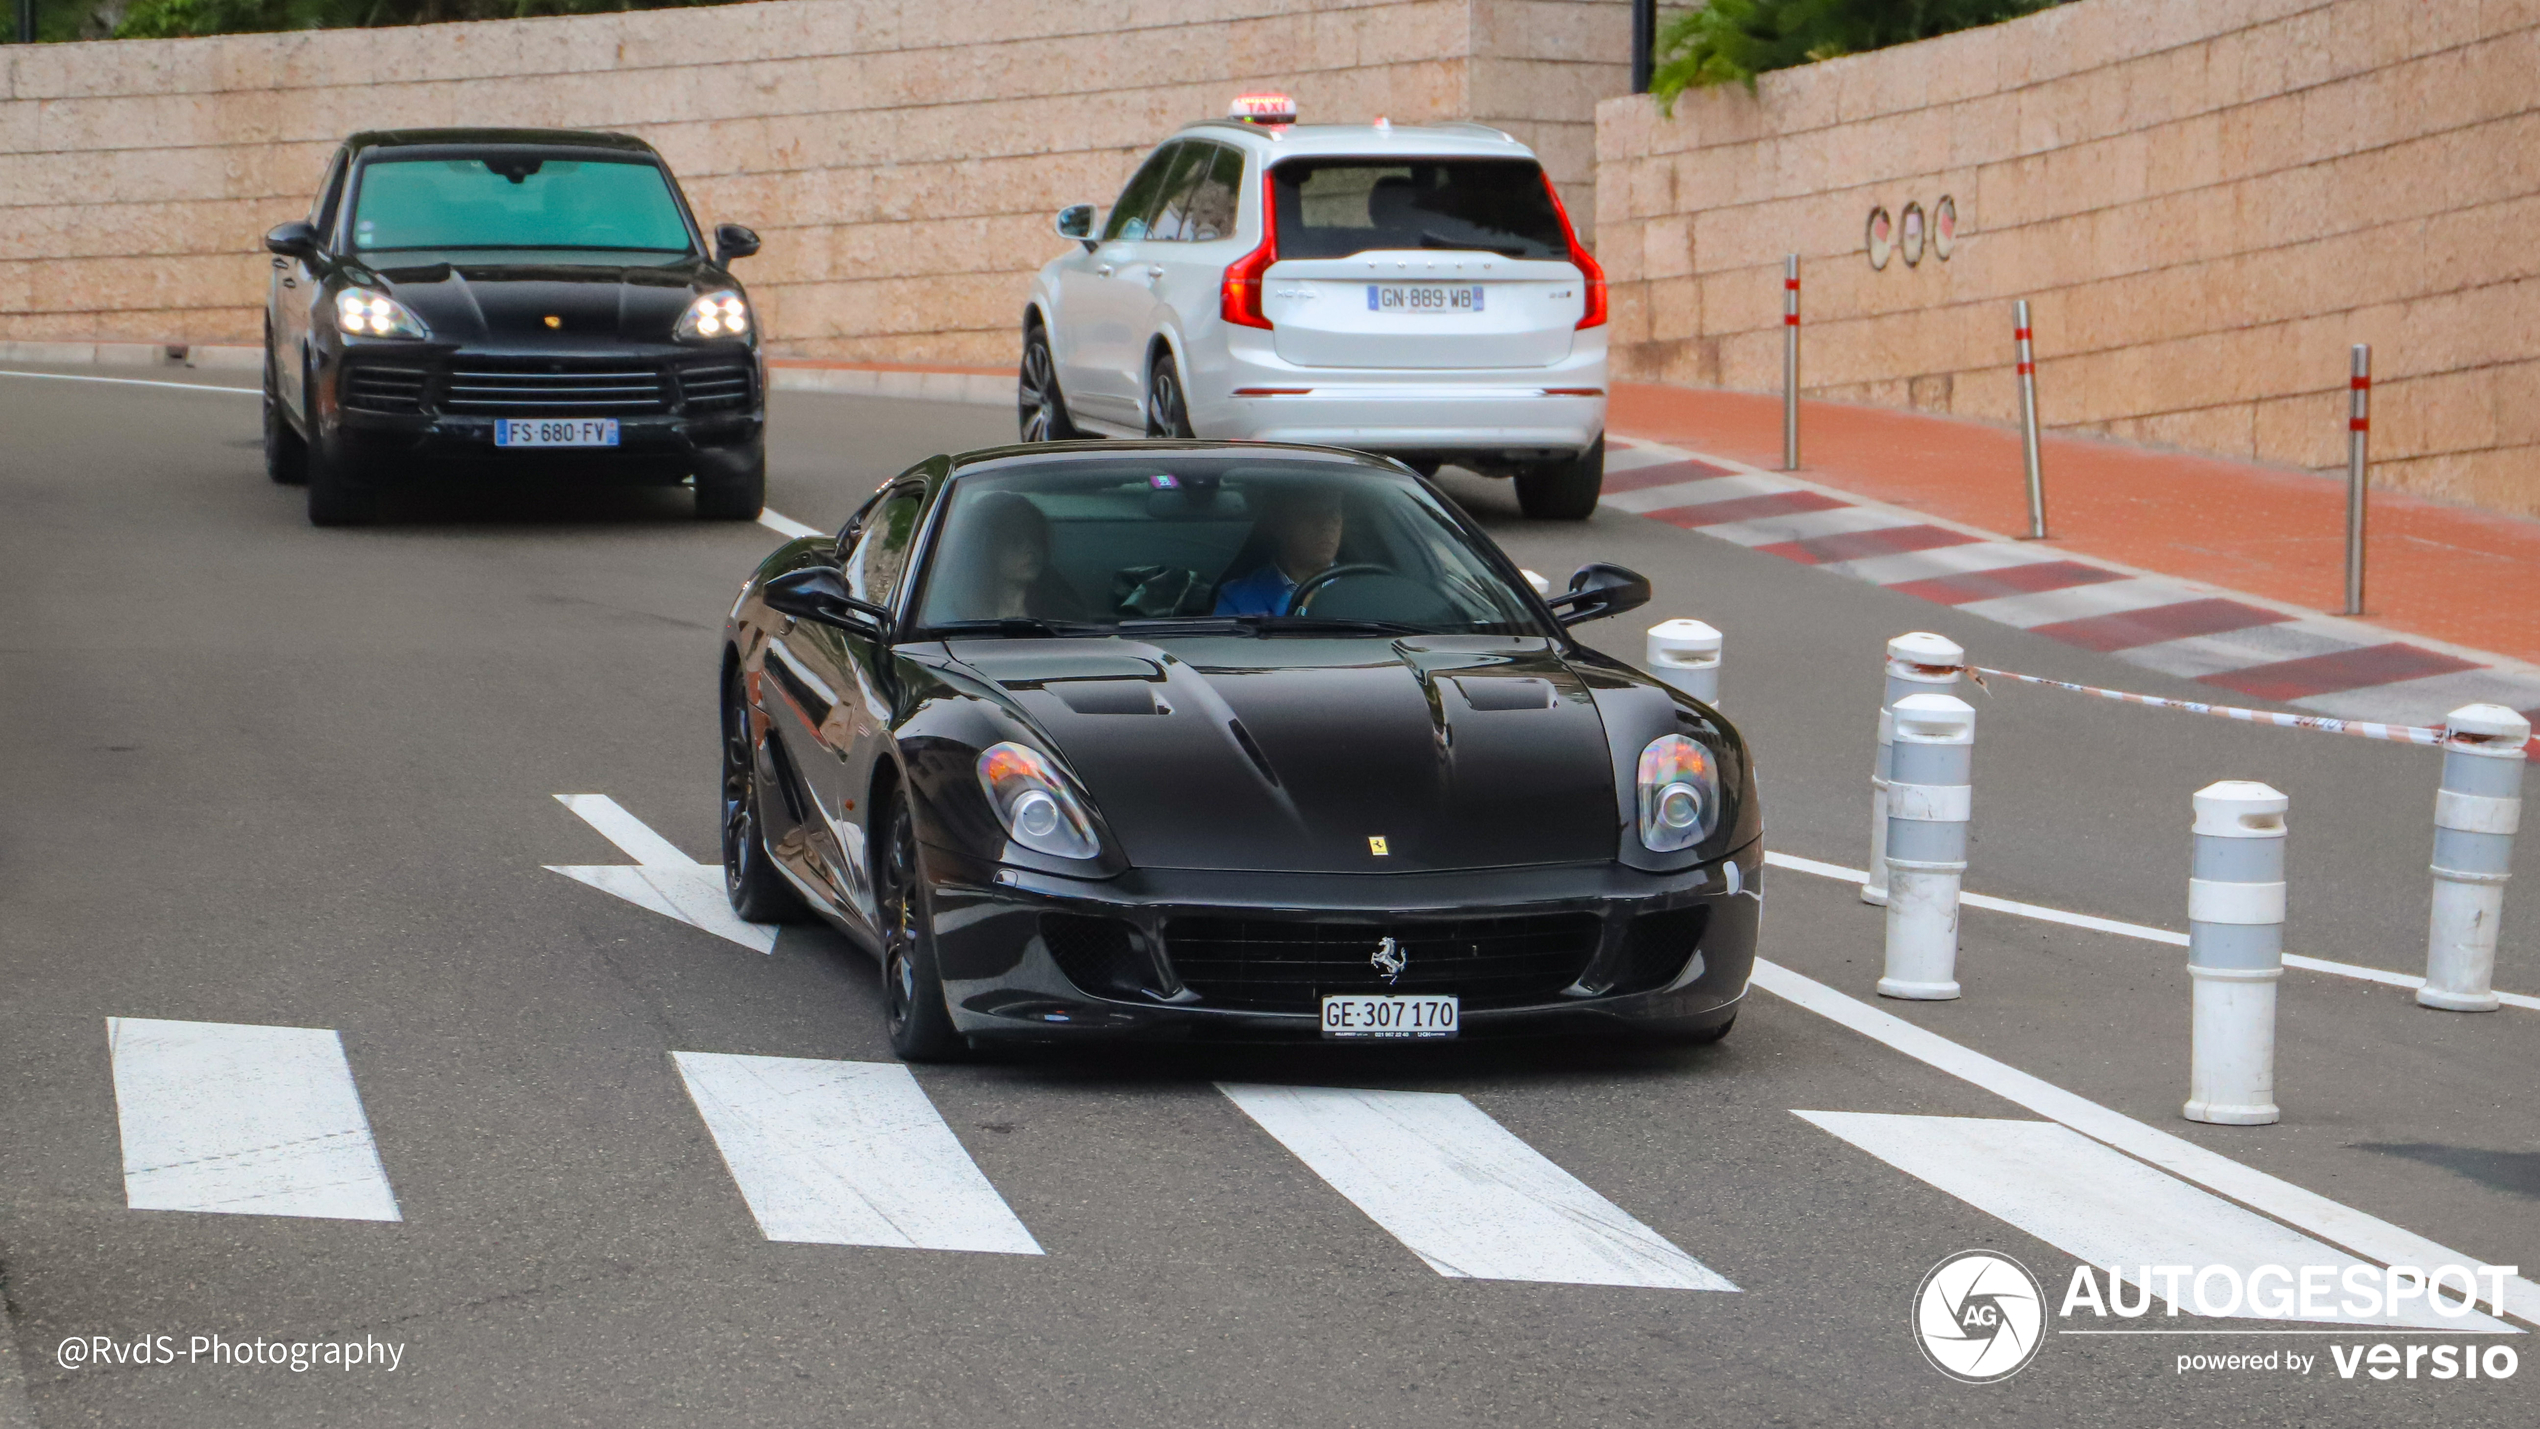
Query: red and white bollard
(1919,663)
(2475,815)
(2029,462)
(1790,363)
(1685,655)
(2235,952)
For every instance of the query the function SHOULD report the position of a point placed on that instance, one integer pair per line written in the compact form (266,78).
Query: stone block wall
(2206,202)
(902,158)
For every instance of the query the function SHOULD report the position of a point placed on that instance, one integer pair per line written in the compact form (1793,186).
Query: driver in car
(1303,525)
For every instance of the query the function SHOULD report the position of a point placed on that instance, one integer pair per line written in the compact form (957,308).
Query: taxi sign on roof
(1264,108)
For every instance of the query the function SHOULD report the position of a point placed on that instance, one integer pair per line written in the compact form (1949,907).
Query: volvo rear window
(1332,208)
(517,201)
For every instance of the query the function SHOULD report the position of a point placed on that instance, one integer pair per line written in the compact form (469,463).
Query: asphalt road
(260,773)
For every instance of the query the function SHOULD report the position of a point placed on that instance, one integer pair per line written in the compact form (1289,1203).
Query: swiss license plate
(555,431)
(1368,1015)
(1424,297)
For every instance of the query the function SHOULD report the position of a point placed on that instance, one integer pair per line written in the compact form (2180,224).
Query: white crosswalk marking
(248,1120)
(2103,1207)
(1462,1192)
(846,1153)
(662,879)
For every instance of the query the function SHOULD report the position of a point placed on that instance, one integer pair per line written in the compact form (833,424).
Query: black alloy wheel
(912,990)
(1167,414)
(758,892)
(1043,411)
(286,456)
(1564,490)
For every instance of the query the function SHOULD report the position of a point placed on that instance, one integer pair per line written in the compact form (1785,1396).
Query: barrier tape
(2396,733)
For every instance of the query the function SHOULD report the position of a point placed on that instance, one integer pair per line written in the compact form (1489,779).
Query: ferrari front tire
(912,989)
(1564,490)
(758,892)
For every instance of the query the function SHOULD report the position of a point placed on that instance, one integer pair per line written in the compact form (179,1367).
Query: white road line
(847,1153)
(786,526)
(247,1120)
(2367,1236)
(2098,924)
(662,879)
(1464,1194)
(2109,1210)
(134,382)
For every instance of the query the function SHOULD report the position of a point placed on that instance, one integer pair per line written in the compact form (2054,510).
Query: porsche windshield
(1209,540)
(517,201)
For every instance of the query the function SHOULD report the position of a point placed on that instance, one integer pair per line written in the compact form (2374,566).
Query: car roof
(1453,139)
(543,138)
(1034,453)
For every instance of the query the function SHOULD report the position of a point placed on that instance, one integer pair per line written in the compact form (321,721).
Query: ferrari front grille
(714,386)
(1099,955)
(379,387)
(1657,946)
(535,388)
(1283,965)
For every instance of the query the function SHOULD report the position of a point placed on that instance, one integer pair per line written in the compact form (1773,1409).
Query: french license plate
(555,431)
(1424,297)
(1367,1015)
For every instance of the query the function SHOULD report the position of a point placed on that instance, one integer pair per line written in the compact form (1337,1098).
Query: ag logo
(1979,1316)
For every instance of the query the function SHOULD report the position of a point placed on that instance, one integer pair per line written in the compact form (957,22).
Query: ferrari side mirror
(1076,221)
(819,594)
(732,241)
(1599,590)
(295,239)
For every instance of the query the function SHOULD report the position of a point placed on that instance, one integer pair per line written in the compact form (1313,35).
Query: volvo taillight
(1590,273)
(1239,297)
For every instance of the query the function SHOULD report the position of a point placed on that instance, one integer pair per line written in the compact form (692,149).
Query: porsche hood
(511,304)
(1323,756)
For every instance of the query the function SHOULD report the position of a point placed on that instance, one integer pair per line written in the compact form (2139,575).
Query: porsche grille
(554,389)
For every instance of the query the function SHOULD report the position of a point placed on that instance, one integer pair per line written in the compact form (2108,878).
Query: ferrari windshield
(517,201)
(1202,540)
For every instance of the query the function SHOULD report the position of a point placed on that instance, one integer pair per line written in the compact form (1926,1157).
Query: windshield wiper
(1015,625)
(1191,625)
(1319,625)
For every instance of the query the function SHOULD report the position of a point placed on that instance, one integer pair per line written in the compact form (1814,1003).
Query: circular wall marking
(1944,228)
(1882,237)
(1910,238)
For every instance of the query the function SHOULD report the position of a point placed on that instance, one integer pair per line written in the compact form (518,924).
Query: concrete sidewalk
(2451,574)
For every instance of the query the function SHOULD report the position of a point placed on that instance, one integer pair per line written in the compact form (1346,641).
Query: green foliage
(1732,41)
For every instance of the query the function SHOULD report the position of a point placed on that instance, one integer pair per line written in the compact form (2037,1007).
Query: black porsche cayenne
(514,301)
(1174,739)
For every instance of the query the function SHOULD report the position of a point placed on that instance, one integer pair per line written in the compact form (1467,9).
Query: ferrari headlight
(1679,794)
(715,315)
(362,312)
(1035,805)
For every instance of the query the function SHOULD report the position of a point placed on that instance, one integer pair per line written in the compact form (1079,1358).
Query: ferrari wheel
(912,990)
(758,892)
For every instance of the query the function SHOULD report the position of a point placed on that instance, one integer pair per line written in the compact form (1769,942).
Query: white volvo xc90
(1413,291)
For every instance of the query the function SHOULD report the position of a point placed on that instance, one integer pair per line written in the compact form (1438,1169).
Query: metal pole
(26,22)
(1644,42)
(1790,363)
(2028,421)
(2358,430)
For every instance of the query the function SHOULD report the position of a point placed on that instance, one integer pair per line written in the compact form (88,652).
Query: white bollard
(1919,663)
(1685,654)
(2235,952)
(2475,815)
(1929,800)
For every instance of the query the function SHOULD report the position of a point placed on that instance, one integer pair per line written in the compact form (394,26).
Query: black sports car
(526,298)
(1182,738)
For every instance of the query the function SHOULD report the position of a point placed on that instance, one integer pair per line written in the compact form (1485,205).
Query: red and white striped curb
(2264,649)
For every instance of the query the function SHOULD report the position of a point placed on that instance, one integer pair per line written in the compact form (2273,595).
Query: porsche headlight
(362,312)
(716,315)
(1679,794)
(1034,804)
